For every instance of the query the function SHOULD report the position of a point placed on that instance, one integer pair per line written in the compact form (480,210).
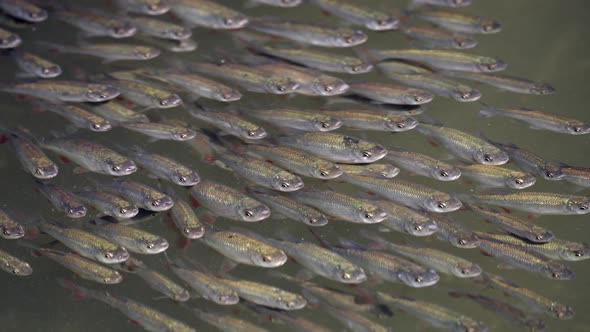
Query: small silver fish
(78,116)
(9,39)
(31,157)
(63,200)
(109,204)
(360,14)
(14,265)
(230,123)
(541,120)
(495,176)
(9,228)
(138,193)
(67,91)
(532,163)
(291,209)
(35,65)
(24,10)
(391,93)
(149,7)
(165,168)
(306,120)
(208,14)
(422,164)
(160,130)
(160,29)
(95,24)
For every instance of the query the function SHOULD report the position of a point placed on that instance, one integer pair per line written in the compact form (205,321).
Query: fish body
(355,321)
(458,22)
(14,265)
(449,230)
(96,25)
(208,14)
(117,112)
(147,95)
(422,164)
(156,280)
(373,119)
(403,219)
(139,194)
(63,200)
(148,7)
(24,10)
(65,91)
(110,52)
(532,163)
(230,123)
(161,130)
(279,3)
(30,155)
(305,120)
(227,322)
(133,239)
(576,175)
(298,323)
(35,65)
(9,40)
(207,286)
(539,202)
(359,14)
(265,295)
(291,209)
(437,38)
(311,83)
(541,120)
(109,204)
(495,176)
(516,226)
(374,170)
(9,228)
(166,168)
(507,83)
(388,93)
(160,29)
(79,116)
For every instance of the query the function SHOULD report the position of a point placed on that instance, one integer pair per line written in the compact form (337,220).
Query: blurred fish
(532,300)
(229,123)
(185,218)
(508,83)
(335,147)
(495,176)
(24,10)
(146,95)
(436,259)
(109,52)
(243,248)
(305,120)
(341,206)
(437,316)
(91,156)
(9,39)
(35,66)
(284,206)
(295,322)
(373,119)
(30,155)
(577,175)
(403,219)
(208,14)
(226,322)
(95,24)
(276,3)
(436,38)
(308,33)
(149,7)
(146,317)
(456,21)
(66,91)
(540,120)
(63,200)
(465,145)
(422,164)
(516,226)
(374,170)
(78,116)
(525,259)
(442,59)
(266,295)
(408,193)
(160,130)
(355,321)
(14,265)
(359,14)
(450,230)
(133,239)
(390,93)
(227,202)
(116,112)
(172,45)
(138,193)
(109,204)
(532,163)
(10,229)
(445,3)
(160,29)
(538,202)
(165,168)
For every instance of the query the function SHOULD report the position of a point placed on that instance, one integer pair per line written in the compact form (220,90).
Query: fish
(422,164)
(359,14)
(443,59)
(444,3)
(242,247)
(65,91)
(355,321)
(576,175)
(24,10)
(95,24)
(279,3)
(185,218)
(14,265)
(160,130)
(249,78)
(85,243)
(532,299)
(465,145)
(10,229)
(78,116)
(507,83)
(133,239)
(341,206)
(495,176)
(450,230)
(380,120)
(226,322)
(109,204)
(165,168)
(145,316)
(265,295)
(309,33)
(35,65)
(297,161)
(374,170)
(525,259)
(138,193)
(538,202)
(388,93)
(208,14)
(458,22)
(229,123)
(437,38)
(227,202)
(109,52)
(30,155)
(116,112)
(439,260)
(9,40)
(335,147)
(403,219)
(156,280)
(91,156)
(297,323)
(62,200)
(160,29)
(322,261)
(514,225)
(289,208)
(540,120)
(531,162)
(171,45)
(148,7)
(147,95)
(408,193)
(305,120)
(438,316)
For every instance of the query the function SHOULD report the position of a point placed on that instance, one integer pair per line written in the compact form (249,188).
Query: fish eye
(266,258)
(312,220)
(488,158)
(182,179)
(577,129)
(492,66)
(186,230)
(116,168)
(281,88)
(356,68)
(150,246)
(38,171)
(285,185)
(346,276)
(444,174)
(487,27)
(583,207)
(464,271)
(462,242)
(442,205)
(96,125)
(549,174)
(324,173)
(325,124)
(556,275)
(163,102)
(228,21)
(367,154)
(70,211)
(122,210)
(381,22)
(417,228)
(368,215)
(183,135)
(539,237)
(465,95)
(328,88)
(248,213)
(401,125)
(45,71)
(578,253)
(519,181)
(15,271)
(251,133)
(120,30)
(6,232)
(108,255)
(418,99)
(349,40)
(155,203)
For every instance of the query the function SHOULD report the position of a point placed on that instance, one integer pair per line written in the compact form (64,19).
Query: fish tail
(78,292)
(377,242)
(488,111)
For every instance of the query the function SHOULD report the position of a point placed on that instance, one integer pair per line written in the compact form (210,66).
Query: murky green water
(541,40)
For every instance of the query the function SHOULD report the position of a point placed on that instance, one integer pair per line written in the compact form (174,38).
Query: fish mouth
(77,212)
(47,172)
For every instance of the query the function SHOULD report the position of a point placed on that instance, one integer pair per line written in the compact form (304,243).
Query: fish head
(350,274)
(552,172)
(542,89)
(155,246)
(578,205)
(97,93)
(193,232)
(491,157)
(123,30)
(371,214)
(18,268)
(384,170)
(100,126)
(465,94)
(417,97)
(557,271)
(11,231)
(358,68)
(466,240)
(466,270)
(325,123)
(398,124)
(120,168)
(183,134)
(185,177)
(115,256)
(288,3)
(285,181)
(490,26)
(414,279)
(232,22)
(225,297)
(562,311)
(281,86)
(317,219)
(291,302)
(382,24)
(46,172)
(50,71)
(36,14)
(326,170)
(76,211)
(470,326)
(349,39)
(155,7)
(227,95)
(491,65)
(169,101)
(442,203)
(113,278)
(443,172)
(162,203)
(575,252)
(463,42)
(125,211)
(145,52)
(324,85)
(13,40)
(253,132)
(577,128)
(420,227)
(179,34)
(540,234)
(251,210)
(368,152)
(269,257)
(520,180)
